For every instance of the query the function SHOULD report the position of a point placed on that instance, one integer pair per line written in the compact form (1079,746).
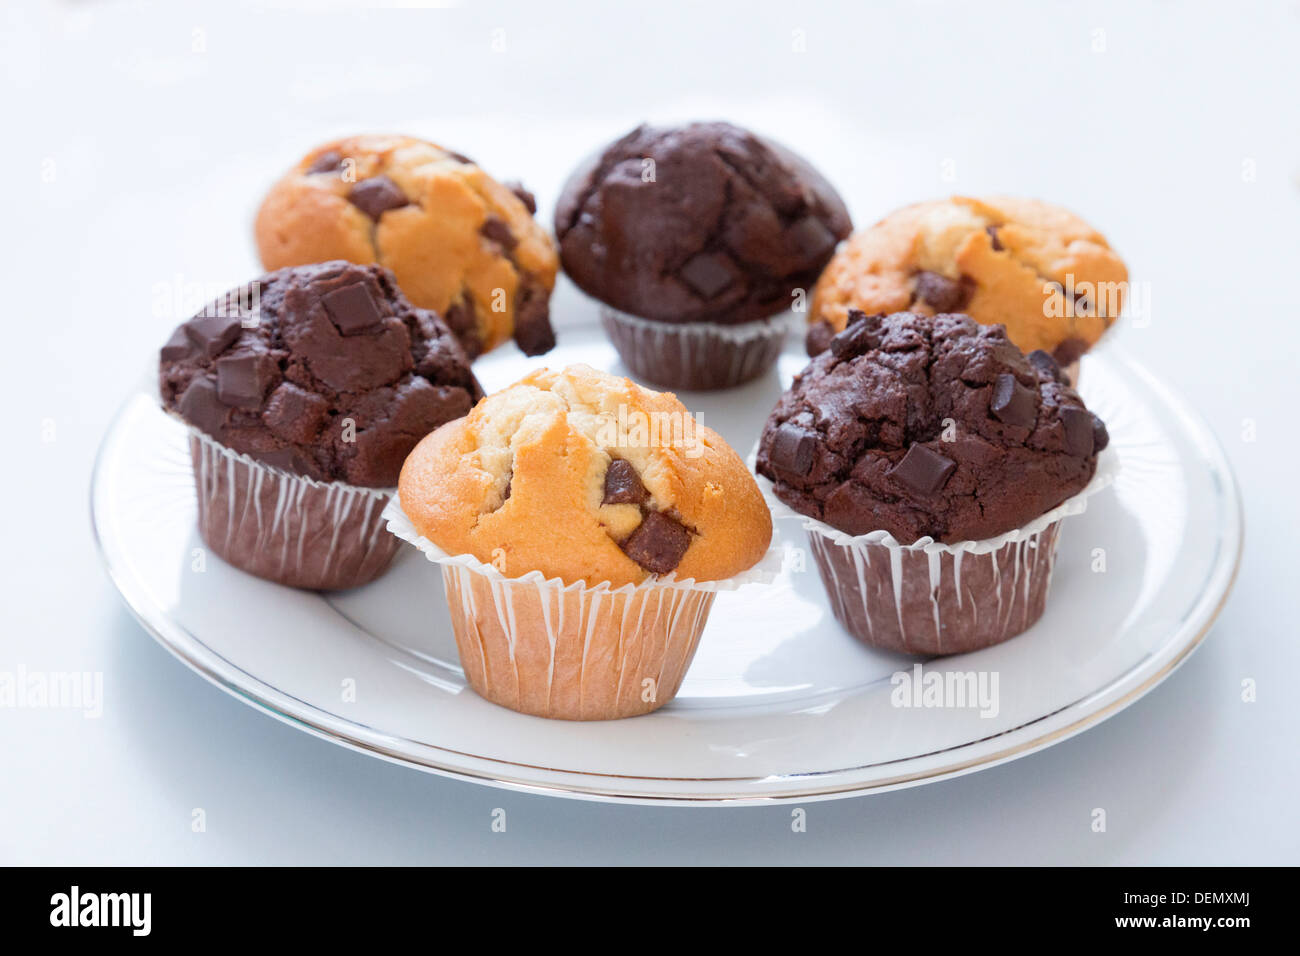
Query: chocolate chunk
(658,544)
(810,238)
(352,309)
(242,380)
(533,332)
(923,470)
(819,337)
(941,293)
(213,334)
(326,162)
(1079,439)
(376,196)
(495,229)
(524,197)
(1044,362)
(459,317)
(993,235)
(178,347)
(294,414)
(1069,351)
(460,157)
(1100,436)
(1013,403)
(708,273)
(792,448)
(200,406)
(859,336)
(623,485)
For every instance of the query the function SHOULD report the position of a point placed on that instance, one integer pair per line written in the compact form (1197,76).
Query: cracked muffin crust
(459,242)
(553,475)
(334,343)
(1045,274)
(721,228)
(928,426)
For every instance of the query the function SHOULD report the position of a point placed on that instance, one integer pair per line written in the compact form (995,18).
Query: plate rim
(255,692)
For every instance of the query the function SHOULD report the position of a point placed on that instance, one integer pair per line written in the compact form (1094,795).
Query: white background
(137,140)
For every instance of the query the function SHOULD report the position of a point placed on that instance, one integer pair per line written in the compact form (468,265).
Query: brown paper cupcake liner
(285,528)
(933,603)
(930,598)
(573,651)
(696,356)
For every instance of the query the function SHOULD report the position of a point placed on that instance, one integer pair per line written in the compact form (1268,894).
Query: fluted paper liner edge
(1103,477)
(287,528)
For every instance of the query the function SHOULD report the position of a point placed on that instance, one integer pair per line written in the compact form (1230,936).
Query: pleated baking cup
(573,651)
(696,356)
(930,598)
(318,535)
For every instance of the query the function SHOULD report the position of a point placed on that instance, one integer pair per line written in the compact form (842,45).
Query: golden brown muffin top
(1038,269)
(459,242)
(586,476)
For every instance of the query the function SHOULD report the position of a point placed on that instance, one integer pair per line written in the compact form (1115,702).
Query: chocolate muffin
(916,442)
(693,237)
(304,394)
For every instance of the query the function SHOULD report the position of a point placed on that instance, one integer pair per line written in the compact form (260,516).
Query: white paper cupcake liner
(573,651)
(930,598)
(287,528)
(697,356)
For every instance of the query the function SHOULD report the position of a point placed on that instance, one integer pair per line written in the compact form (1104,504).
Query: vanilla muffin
(459,242)
(1041,271)
(583,523)
(553,475)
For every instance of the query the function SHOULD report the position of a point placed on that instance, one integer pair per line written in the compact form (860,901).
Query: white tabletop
(138,138)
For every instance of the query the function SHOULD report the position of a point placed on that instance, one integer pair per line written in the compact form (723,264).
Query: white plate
(780,703)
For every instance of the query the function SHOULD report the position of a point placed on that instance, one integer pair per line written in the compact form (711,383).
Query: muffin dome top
(698,222)
(458,241)
(929,425)
(325,371)
(588,477)
(1036,268)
